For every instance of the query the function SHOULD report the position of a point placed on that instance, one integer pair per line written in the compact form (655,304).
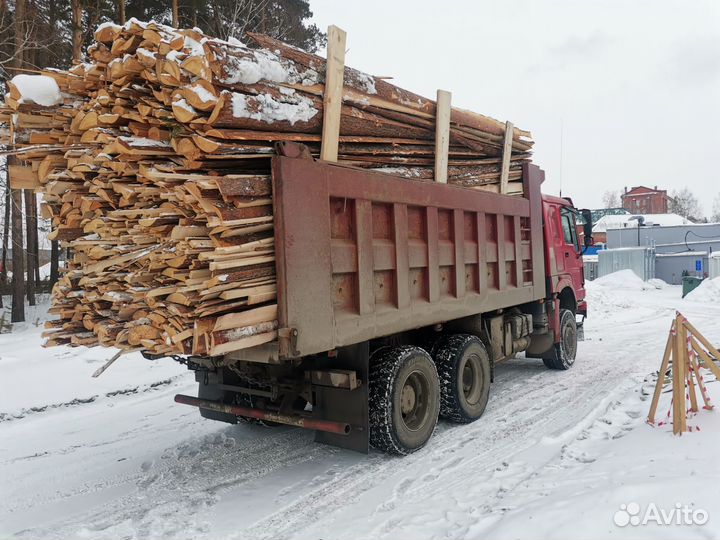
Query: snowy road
(117,458)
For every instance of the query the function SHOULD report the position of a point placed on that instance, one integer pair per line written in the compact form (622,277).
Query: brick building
(645,200)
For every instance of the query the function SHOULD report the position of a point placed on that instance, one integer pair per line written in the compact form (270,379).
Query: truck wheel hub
(472,379)
(413,402)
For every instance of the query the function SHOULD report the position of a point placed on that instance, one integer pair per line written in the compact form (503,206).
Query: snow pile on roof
(38,89)
(708,291)
(622,221)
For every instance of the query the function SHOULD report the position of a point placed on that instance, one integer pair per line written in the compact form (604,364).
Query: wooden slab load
(155,172)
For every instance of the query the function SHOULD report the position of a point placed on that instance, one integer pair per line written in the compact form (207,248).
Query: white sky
(634,84)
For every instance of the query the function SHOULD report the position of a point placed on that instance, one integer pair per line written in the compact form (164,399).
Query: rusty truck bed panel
(362,254)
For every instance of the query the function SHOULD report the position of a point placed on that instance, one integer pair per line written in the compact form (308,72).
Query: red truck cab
(563,253)
(565,282)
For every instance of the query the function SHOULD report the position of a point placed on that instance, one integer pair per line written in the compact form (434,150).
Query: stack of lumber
(154,162)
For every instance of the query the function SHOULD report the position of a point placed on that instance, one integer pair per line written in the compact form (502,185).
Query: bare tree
(611,199)
(31,238)
(18,277)
(77,30)
(685,204)
(6,235)
(121,11)
(716,209)
(242,13)
(175,14)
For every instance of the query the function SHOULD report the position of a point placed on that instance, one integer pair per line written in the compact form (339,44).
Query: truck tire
(463,366)
(562,354)
(404,399)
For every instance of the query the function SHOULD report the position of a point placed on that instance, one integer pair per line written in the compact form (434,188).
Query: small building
(633,221)
(681,249)
(671,267)
(645,200)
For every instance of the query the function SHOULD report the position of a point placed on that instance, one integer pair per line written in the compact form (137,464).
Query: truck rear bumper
(338,428)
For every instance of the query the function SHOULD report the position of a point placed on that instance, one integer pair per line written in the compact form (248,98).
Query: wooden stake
(507,154)
(707,359)
(442,135)
(661,376)
(691,384)
(697,335)
(110,362)
(677,373)
(682,370)
(701,385)
(332,97)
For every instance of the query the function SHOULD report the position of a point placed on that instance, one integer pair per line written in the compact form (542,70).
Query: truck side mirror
(587,227)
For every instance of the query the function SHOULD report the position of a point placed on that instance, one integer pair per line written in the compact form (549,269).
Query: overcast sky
(635,85)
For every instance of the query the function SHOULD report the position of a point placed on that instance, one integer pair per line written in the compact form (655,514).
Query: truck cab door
(571,249)
(556,243)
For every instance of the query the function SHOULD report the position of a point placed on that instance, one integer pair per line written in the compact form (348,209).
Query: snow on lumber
(153,159)
(38,89)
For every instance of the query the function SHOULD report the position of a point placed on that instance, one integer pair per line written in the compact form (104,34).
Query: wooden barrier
(687,351)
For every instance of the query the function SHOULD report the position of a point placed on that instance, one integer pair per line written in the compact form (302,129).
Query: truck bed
(363,254)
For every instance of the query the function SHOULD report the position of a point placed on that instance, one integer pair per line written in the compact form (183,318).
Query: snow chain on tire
(388,367)
(563,356)
(450,355)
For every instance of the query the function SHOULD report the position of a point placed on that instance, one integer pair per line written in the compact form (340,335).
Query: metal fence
(714,266)
(590,266)
(639,260)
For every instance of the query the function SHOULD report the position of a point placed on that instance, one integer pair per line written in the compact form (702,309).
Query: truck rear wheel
(404,399)
(562,354)
(463,366)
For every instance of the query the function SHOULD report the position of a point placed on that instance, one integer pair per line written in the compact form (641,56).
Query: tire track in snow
(510,426)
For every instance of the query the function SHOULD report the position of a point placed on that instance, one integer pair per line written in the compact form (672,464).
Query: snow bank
(624,279)
(707,291)
(39,89)
(31,367)
(609,293)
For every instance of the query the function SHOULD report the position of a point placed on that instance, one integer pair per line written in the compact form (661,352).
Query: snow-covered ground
(555,455)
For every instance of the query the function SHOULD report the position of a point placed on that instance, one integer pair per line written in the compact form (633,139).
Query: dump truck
(396,299)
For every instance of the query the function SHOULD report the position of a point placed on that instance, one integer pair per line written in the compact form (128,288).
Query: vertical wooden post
(679,354)
(175,14)
(691,382)
(332,96)
(121,11)
(442,135)
(507,154)
(661,376)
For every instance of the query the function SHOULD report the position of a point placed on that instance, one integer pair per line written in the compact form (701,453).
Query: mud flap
(349,406)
